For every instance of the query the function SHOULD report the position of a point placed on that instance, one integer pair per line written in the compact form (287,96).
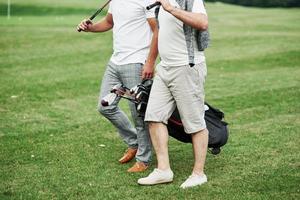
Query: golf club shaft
(96,13)
(121,92)
(153,5)
(132,100)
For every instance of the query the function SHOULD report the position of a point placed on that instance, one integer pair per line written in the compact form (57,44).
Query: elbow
(203,23)
(203,26)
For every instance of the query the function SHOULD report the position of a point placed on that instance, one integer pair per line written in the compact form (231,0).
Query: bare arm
(148,69)
(104,25)
(196,20)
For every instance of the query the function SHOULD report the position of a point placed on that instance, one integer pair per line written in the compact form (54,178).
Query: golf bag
(218,130)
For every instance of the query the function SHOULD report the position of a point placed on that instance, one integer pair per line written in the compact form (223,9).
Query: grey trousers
(136,136)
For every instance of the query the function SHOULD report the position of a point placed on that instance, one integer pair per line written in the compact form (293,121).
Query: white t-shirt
(131,32)
(171,39)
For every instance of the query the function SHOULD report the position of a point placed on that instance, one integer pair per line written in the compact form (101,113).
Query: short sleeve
(149,13)
(198,7)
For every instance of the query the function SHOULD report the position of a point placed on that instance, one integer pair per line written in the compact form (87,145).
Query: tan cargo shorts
(181,86)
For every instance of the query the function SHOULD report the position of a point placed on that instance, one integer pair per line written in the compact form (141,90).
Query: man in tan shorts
(178,82)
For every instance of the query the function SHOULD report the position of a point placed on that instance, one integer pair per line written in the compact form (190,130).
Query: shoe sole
(193,186)
(159,182)
(126,161)
(137,171)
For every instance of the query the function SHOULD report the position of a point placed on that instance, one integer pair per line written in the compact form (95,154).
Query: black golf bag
(218,130)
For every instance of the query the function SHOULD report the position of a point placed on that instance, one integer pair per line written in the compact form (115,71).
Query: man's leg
(131,76)
(160,107)
(200,142)
(188,92)
(114,114)
(163,173)
(144,151)
(159,137)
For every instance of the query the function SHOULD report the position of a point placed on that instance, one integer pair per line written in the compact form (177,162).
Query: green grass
(51,135)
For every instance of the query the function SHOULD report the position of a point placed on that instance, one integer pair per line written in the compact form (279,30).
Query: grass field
(54,145)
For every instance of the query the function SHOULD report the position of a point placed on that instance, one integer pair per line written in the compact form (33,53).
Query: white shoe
(194,180)
(156,177)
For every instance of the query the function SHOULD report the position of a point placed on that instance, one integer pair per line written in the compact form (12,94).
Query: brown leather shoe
(138,167)
(128,155)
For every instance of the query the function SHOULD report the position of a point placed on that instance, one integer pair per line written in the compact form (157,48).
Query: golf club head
(134,90)
(142,96)
(108,99)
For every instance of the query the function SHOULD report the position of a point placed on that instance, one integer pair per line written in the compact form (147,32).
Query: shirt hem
(126,62)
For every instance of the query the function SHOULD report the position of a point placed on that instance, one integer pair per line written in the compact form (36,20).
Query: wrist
(171,8)
(90,28)
(150,63)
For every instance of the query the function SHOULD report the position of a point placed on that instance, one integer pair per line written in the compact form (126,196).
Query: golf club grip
(87,21)
(153,5)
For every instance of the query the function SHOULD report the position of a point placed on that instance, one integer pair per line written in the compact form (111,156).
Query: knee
(105,110)
(100,109)
(205,131)
(153,126)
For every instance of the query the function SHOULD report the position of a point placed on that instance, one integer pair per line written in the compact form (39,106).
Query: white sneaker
(194,180)
(156,177)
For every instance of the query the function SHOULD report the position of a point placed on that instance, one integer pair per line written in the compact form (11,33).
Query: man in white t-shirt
(135,51)
(179,81)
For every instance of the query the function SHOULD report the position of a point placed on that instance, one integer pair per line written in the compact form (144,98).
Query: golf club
(95,14)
